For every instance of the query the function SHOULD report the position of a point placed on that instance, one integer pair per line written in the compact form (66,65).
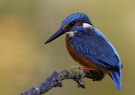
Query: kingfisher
(89,47)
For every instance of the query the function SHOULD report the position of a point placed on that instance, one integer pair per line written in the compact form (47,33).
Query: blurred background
(26,62)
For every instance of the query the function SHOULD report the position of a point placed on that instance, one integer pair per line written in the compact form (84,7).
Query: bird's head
(75,19)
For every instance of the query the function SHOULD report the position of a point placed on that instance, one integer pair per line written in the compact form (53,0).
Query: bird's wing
(94,46)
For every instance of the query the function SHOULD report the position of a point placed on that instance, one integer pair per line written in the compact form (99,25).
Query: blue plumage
(94,46)
(75,17)
(91,44)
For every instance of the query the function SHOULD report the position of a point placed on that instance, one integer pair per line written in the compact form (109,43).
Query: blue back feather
(93,45)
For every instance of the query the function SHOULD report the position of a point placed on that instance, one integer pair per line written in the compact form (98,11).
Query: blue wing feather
(94,46)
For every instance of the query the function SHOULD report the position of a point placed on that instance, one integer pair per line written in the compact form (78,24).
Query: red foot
(86,69)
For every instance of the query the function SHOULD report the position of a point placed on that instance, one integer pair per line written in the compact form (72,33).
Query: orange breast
(80,59)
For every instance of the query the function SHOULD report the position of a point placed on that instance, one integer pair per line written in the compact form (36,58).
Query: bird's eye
(69,26)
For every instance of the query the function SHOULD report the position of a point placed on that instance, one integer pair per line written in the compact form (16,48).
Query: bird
(89,47)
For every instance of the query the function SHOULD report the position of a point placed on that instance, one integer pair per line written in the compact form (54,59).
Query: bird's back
(95,51)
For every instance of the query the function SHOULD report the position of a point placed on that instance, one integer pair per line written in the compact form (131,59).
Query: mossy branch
(75,73)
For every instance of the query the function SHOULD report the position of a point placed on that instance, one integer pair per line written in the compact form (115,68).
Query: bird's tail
(117,78)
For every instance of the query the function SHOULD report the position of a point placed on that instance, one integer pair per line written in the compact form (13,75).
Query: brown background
(26,24)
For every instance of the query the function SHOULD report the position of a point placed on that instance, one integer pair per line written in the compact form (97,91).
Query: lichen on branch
(75,73)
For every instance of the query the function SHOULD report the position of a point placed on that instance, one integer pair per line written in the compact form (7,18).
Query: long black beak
(55,35)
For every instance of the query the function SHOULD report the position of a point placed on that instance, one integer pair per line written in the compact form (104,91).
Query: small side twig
(74,73)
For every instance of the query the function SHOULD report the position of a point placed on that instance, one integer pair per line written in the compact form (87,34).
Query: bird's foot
(86,69)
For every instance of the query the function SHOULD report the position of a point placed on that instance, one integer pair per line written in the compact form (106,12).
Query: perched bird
(89,47)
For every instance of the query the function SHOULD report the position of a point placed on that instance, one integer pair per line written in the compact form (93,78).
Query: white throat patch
(71,33)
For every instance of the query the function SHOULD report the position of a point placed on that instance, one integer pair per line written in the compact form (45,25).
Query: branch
(74,73)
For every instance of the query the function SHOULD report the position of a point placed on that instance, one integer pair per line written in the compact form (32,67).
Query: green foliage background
(26,24)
